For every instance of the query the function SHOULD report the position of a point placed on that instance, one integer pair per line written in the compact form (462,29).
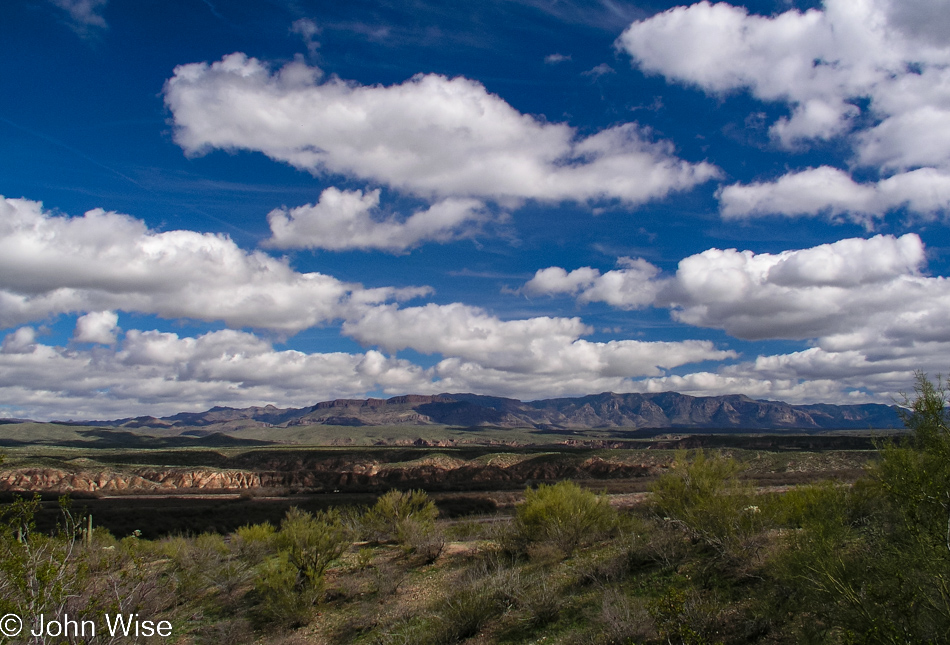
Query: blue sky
(242,203)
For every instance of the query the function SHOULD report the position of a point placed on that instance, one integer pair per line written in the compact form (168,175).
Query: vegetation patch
(714,552)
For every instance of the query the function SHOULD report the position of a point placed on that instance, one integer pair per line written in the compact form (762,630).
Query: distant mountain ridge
(605,410)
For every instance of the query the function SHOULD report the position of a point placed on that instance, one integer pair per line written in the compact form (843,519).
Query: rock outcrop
(326,475)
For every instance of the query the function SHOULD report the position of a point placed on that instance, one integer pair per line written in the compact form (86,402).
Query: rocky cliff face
(606,410)
(138,480)
(326,475)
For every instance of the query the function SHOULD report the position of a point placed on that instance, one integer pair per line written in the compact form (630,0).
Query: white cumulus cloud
(96,327)
(811,293)
(106,261)
(159,373)
(790,389)
(866,306)
(827,190)
(430,136)
(874,72)
(307,29)
(343,220)
(21,341)
(629,287)
(475,339)
(555,281)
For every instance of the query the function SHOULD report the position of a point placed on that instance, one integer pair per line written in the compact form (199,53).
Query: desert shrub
(540,598)
(663,545)
(38,572)
(622,558)
(364,558)
(382,522)
(310,543)
(623,620)
(914,481)
(687,616)
(387,578)
(350,585)
(288,586)
(408,630)
(706,498)
(210,545)
(407,518)
(281,598)
(133,585)
(104,554)
(503,540)
(228,575)
(419,539)
(468,530)
(464,613)
(641,545)
(482,594)
(546,553)
(351,518)
(824,508)
(59,574)
(254,542)
(870,563)
(256,533)
(361,620)
(564,515)
(195,562)
(291,638)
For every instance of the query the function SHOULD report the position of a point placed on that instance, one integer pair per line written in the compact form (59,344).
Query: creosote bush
(310,543)
(288,586)
(871,563)
(408,519)
(384,521)
(483,593)
(623,620)
(254,542)
(706,497)
(420,539)
(563,515)
(281,598)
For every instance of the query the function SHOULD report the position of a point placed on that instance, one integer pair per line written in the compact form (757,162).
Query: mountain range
(606,410)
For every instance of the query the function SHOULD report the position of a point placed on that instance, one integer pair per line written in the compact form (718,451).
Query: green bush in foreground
(706,497)
(288,587)
(281,599)
(873,563)
(254,542)
(310,543)
(388,519)
(564,515)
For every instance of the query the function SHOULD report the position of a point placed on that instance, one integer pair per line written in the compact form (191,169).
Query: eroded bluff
(304,474)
